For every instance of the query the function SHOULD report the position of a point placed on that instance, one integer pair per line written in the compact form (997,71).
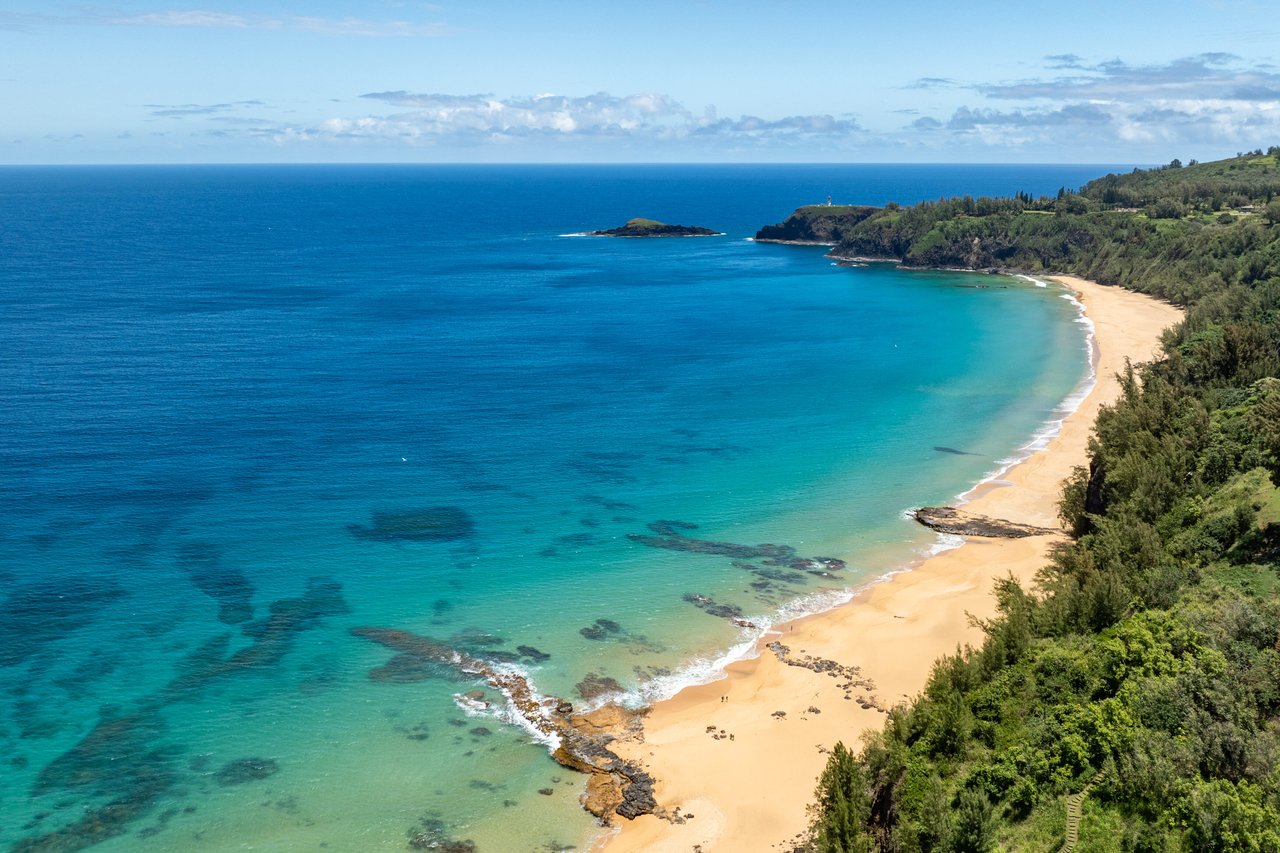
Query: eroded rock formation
(945,519)
(580,741)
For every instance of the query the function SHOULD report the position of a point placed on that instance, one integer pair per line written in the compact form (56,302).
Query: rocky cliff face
(820,223)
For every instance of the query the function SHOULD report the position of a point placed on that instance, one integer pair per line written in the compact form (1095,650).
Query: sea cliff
(817,224)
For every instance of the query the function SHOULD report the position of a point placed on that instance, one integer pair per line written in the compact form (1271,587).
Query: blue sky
(148,81)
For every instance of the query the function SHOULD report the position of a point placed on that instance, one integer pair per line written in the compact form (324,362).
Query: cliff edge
(818,224)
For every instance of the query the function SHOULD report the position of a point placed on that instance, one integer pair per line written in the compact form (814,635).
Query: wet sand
(749,792)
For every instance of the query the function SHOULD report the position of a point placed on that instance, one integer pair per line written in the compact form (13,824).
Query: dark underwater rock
(403,669)
(273,637)
(601,629)
(111,750)
(119,757)
(113,760)
(945,519)
(244,770)
(432,834)
(202,561)
(474,637)
(709,606)
(671,536)
(616,786)
(533,653)
(954,452)
(135,796)
(36,614)
(434,524)
(595,685)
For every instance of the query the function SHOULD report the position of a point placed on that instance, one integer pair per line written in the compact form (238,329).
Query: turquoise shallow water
(217,379)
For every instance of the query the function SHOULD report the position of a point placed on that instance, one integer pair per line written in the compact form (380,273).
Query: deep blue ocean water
(244,410)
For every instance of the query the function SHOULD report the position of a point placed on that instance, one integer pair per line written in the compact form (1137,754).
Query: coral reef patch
(434,524)
(36,614)
(244,770)
(228,587)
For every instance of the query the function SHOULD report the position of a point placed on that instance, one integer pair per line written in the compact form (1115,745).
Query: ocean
(246,410)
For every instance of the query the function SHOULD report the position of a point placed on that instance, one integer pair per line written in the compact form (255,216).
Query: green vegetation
(1145,664)
(1160,231)
(817,223)
(642,224)
(830,209)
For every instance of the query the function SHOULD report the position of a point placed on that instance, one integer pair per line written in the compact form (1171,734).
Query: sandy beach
(738,759)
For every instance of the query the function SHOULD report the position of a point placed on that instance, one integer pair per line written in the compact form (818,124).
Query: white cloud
(1211,99)
(642,116)
(180,18)
(210,19)
(1209,75)
(185,110)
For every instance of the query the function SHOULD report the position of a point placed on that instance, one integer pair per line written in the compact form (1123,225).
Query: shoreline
(738,758)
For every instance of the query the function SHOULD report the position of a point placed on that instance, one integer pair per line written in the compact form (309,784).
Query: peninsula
(639,227)
(816,224)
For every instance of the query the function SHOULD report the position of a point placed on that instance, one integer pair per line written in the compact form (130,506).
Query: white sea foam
(507,712)
(475,707)
(712,667)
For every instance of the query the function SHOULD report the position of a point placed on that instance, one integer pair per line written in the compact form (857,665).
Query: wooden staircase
(1075,811)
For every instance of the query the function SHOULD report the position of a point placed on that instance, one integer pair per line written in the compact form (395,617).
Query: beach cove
(269,467)
(737,759)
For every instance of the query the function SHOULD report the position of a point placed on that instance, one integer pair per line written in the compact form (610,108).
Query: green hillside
(1144,668)
(1176,232)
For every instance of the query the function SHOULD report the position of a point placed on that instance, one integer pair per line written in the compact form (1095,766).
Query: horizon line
(566,163)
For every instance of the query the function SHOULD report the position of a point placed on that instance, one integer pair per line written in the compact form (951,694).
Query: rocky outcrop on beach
(581,741)
(653,228)
(945,519)
(818,224)
(851,678)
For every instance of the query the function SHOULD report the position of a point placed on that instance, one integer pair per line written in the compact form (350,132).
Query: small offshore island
(639,227)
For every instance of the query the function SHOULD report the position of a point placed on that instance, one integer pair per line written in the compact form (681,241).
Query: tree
(842,806)
(975,823)
(1272,212)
